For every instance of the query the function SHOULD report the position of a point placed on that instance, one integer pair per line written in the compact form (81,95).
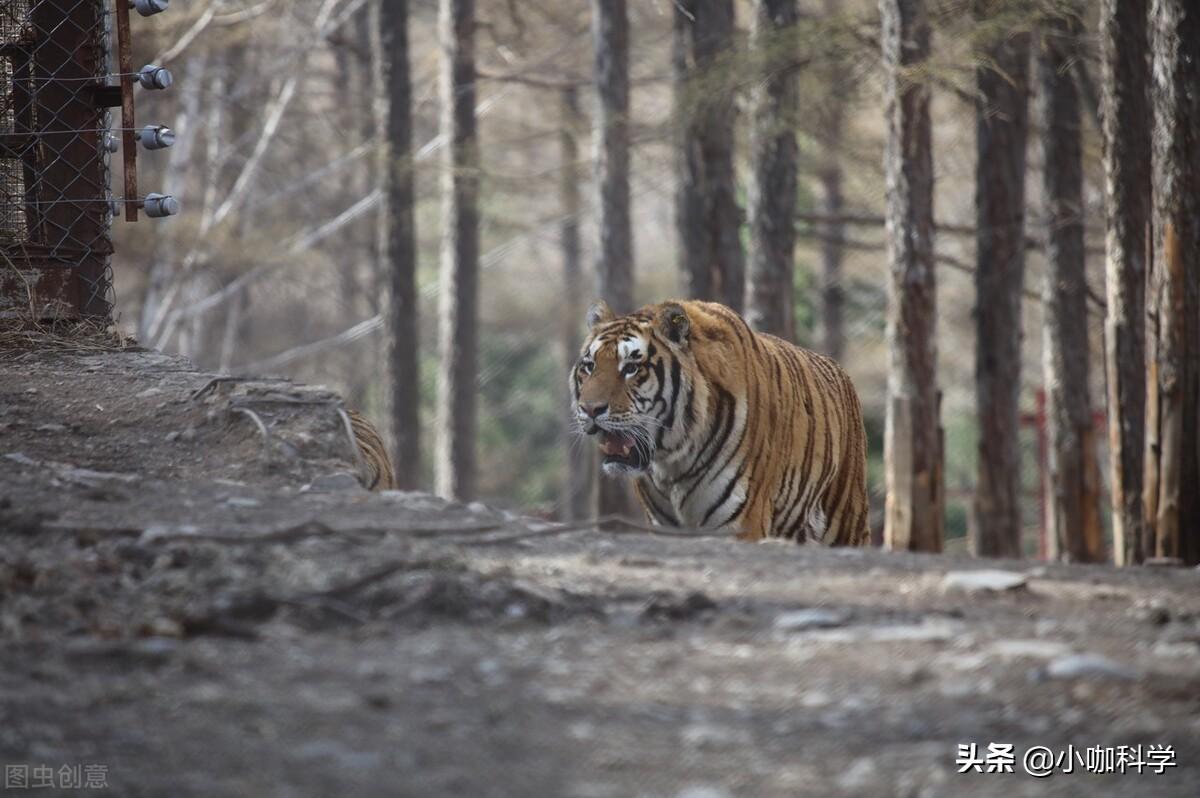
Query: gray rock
(337,481)
(814,618)
(1170,650)
(1156,614)
(87,476)
(1034,649)
(703,791)
(859,776)
(21,459)
(928,631)
(1089,666)
(984,580)
(154,647)
(1163,562)
(158,531)
(669,607)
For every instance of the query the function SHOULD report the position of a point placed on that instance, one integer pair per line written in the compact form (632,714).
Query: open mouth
(620,449)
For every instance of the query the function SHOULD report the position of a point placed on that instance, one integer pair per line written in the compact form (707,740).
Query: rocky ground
(196,597)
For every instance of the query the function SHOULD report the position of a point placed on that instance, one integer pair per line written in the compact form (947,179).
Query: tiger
(722,427)
(375,471)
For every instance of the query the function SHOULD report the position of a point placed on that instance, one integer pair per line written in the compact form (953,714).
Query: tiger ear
(599,313)
(674,323)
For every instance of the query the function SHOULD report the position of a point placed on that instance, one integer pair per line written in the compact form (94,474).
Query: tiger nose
(593,409)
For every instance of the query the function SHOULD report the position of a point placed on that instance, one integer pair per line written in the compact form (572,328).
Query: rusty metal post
(54,198)
(128,136)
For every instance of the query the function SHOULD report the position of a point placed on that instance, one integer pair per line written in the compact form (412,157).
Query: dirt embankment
(196,597)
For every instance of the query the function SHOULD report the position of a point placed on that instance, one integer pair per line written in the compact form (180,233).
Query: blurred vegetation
(323,160)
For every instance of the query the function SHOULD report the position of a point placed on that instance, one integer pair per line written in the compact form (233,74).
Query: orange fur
(730,428)
(376,463)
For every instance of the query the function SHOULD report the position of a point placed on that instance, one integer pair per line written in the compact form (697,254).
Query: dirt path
(203,611)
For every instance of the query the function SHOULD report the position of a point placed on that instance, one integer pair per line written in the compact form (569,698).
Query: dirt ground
(202,609)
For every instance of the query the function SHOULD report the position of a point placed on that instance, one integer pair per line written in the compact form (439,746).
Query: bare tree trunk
(1170,493)
(352,76)
(912,440)
(403,338)
(175,181)
(454,464)
(614,268)
(1001,125)
(773,190)
(1073,515)
(380,275)
(689,174)
(716,265)
(1126,122)
(615,263)
(833,292)
(580,460)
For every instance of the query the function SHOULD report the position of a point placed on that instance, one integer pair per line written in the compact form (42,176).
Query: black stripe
(670,422)
(732,516)
(733,452)
(725,494)
(810,444)
(784,497)
(794,529)
(652,506)
(851,469)
(659,373)
(725,420)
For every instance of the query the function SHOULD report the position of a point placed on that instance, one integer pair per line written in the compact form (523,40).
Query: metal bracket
(129,137)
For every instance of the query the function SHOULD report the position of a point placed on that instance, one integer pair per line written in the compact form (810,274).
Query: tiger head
(627,384)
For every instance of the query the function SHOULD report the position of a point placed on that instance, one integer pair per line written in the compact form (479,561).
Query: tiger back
(722,427)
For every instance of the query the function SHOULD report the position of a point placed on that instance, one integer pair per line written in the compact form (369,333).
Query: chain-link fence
(55,202)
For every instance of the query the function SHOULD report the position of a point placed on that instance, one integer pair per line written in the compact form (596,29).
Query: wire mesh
(55,213)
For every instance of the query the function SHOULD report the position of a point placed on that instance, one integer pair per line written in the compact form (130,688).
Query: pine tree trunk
(615,262)
(773,190)
(403,341)
(1001,125)
(580,461)
(379,164)
(1172,473)
(454,464)
(352,76)
(912,445)
(838,85)
(614,268)
(833,294)
(710,247)
(1126,121)
(1073,500)
(689,175)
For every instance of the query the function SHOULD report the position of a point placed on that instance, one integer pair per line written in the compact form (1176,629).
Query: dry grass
(37,326)
(21,333)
